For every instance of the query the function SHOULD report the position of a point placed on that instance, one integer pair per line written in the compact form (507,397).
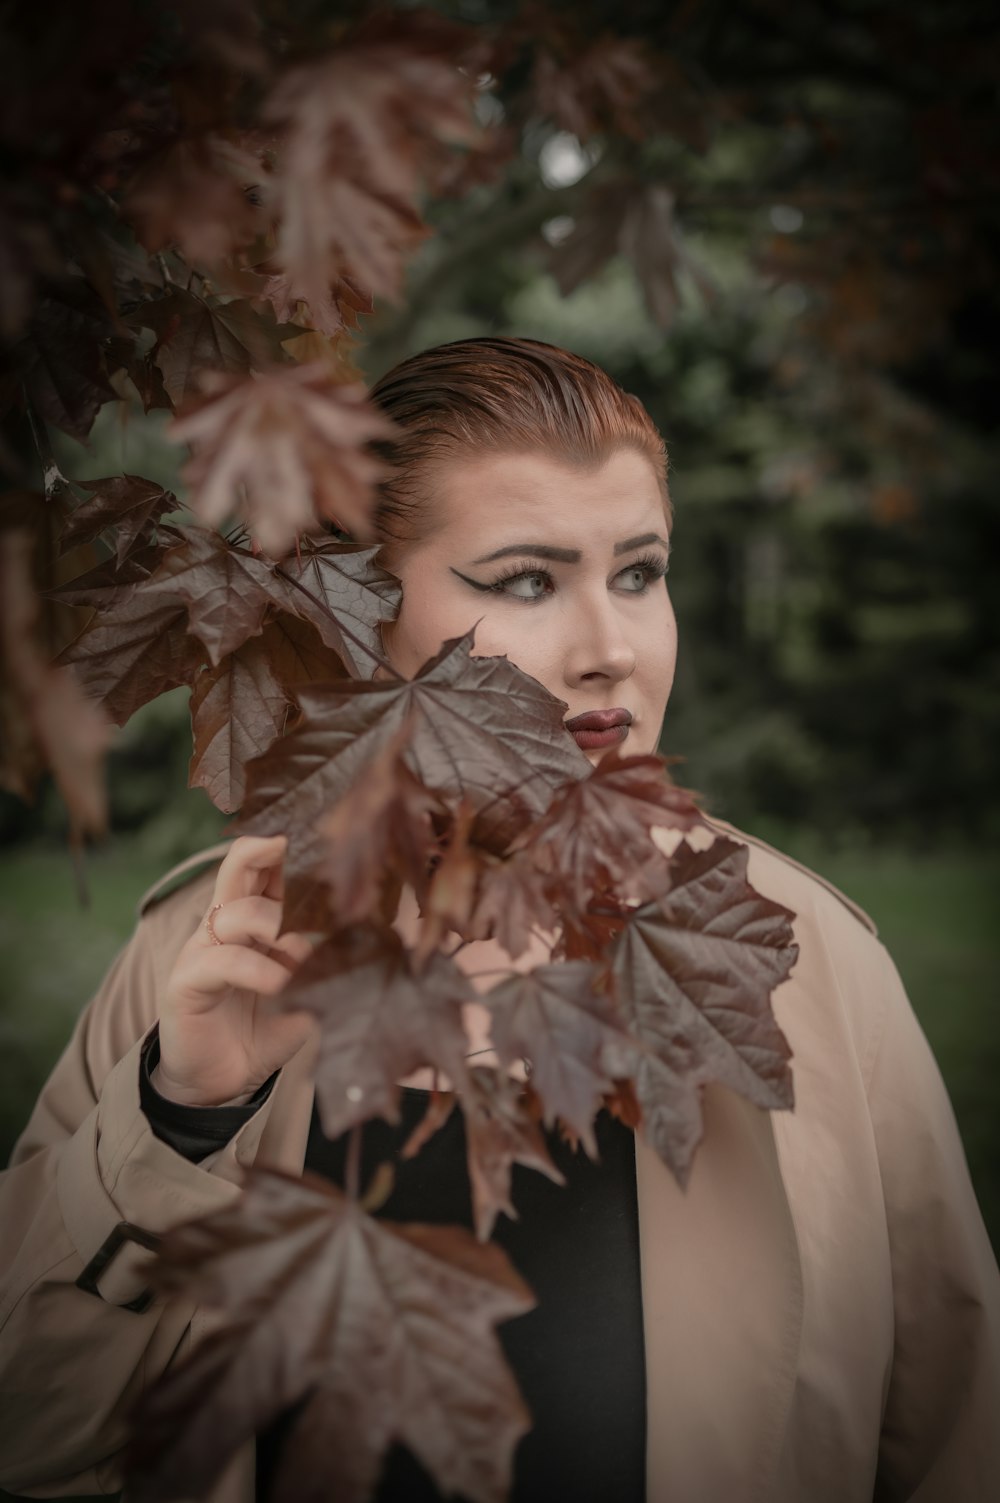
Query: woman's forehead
(548,499)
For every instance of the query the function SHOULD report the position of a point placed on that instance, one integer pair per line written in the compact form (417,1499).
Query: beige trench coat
(821,1307)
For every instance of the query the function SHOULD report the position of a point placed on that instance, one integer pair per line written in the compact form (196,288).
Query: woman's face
(558,567)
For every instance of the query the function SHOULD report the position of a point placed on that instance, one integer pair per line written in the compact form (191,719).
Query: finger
(209,972)
(243,921)
(247,866)
(292,950)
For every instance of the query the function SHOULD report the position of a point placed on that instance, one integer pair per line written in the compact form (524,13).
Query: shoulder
(170,911)
(788,881)
(194,872)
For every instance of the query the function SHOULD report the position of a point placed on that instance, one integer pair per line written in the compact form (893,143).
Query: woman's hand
(220,1037)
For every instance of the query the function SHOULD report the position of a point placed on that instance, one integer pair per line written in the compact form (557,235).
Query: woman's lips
(587,740)
(597,728)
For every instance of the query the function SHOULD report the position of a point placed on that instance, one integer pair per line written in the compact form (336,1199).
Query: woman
(816,1319)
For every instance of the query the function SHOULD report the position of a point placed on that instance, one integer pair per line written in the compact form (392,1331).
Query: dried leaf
(511,903)
(240,706)
(450,897)
(560,1018)
(596,834)
(335,309)
(283,451)
(61,357)
(125,503)
(378,836)
(379,1021)
(693,974)
(636,220)
(387,1333)
(109,583)
(603,87)
(349,584)
(360,126)
(500,1132)
(226,591)
(481,729)
(134,651)
(194,336)
(193,194)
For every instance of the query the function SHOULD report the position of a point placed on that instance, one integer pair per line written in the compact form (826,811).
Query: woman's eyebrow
(567,555)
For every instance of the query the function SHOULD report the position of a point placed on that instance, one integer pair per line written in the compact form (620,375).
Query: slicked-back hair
(478,397)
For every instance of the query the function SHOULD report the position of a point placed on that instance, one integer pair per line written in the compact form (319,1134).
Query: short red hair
(499,396)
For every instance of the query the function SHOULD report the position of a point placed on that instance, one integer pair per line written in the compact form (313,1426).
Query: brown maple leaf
(194,336)
(360,125)
(124,355)
(109,583)
(693,974)
(481,729)
(385,1332)
(604,86)
(379,835)
(511,903)
(561,1018)
(125,504)
(135,648)
(379,1021)
(227,591)
(449,897)
(338,308)
(60,357)
(596,834)
(241,705)
(48,719)
(193,194)
(283,450)
(500,1131)
(351,588)
(637,220)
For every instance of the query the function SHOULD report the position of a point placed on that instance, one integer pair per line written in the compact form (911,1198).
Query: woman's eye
(635,578)
(526,586)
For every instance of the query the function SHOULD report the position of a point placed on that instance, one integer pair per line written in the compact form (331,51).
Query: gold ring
(211,927)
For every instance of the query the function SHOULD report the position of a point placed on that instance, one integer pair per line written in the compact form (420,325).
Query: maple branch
(345,630)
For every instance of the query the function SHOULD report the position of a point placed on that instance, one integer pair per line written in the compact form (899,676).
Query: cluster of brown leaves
(462,783)
(214,261)
(186,606)
(200,252)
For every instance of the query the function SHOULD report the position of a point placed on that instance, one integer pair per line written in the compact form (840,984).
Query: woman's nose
(598,646)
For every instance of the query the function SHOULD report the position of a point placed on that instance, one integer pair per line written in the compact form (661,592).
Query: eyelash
(651,563)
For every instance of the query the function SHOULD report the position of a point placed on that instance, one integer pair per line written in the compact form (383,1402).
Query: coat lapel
(722,1312)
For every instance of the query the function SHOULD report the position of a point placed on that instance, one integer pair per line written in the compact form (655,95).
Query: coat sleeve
(940,1436)
(73,1361)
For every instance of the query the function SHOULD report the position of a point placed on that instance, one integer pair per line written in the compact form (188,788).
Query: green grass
(53,954)
(937,914)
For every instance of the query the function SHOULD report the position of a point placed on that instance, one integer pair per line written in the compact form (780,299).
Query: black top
(578,1356)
